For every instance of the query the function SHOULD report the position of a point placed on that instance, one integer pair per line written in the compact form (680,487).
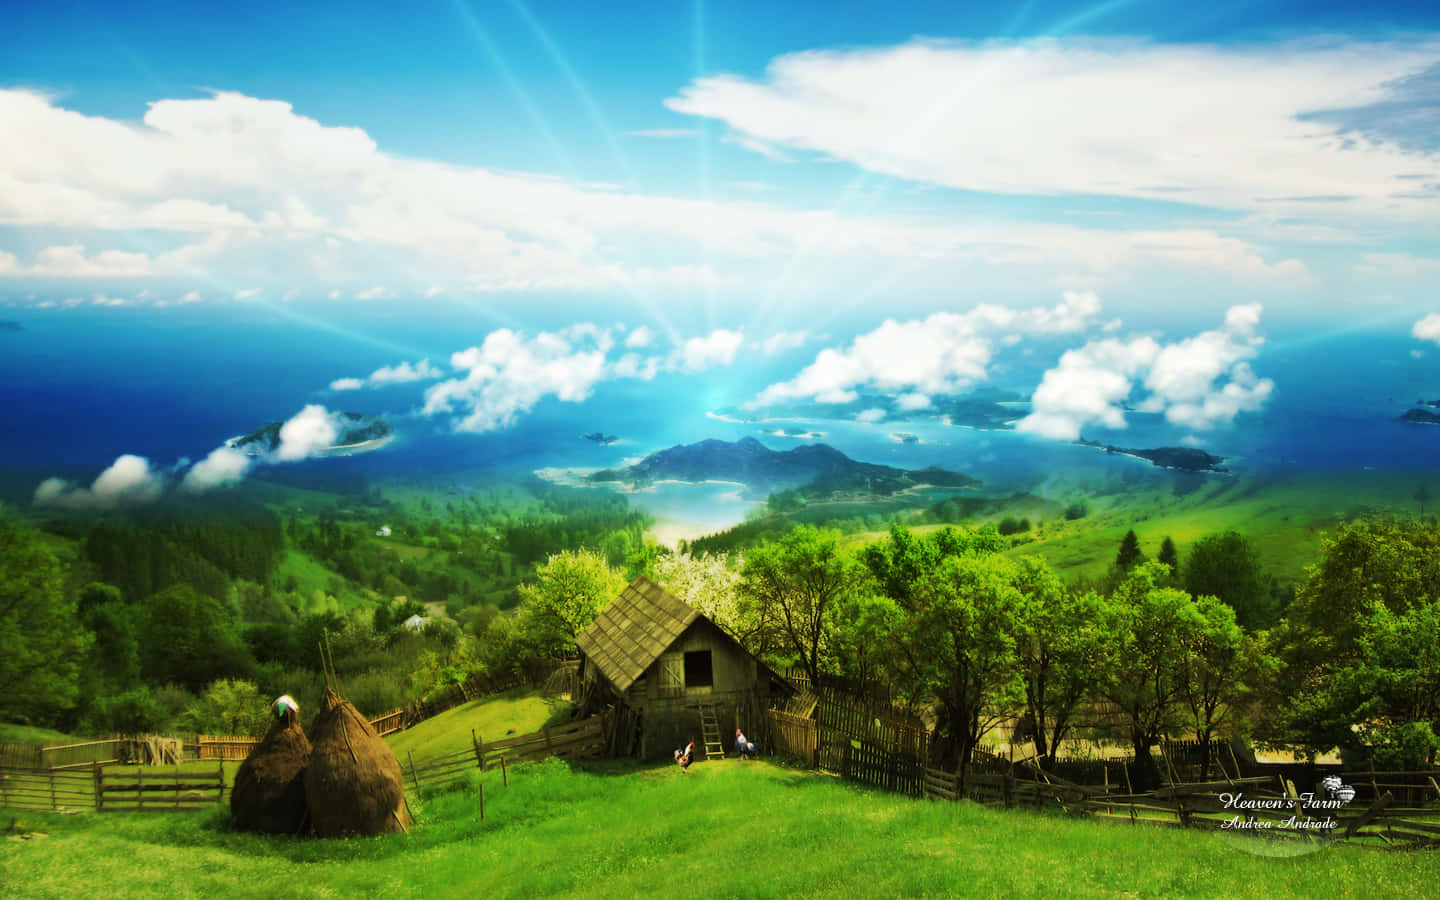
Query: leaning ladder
(710,731)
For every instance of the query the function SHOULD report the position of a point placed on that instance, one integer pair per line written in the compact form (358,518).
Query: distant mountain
(601,437)
(818,466)
(358,434)
(1421,416)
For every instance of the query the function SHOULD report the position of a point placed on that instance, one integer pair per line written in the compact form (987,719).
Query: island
(1186,459)
(817,469)
(600,437)
(359,434)
(905,437)
(1421,417)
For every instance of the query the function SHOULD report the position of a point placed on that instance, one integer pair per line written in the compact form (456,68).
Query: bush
(1076,511)
(1012,525)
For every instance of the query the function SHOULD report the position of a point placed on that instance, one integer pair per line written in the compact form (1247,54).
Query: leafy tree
(1218,660)
(1362,645)
(42,643)
(1076,511)
(1129,555)
(1169,556)
(570,589)
(186,638)
(1059,645)
(1148,628)
(1226,566)
(229,706)
(798,582)
(711,584)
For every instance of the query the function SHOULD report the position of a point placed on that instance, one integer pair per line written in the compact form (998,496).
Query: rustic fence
(139,788)
(576,740)
(794,736)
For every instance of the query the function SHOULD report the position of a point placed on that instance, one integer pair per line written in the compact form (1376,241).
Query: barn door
(672,676)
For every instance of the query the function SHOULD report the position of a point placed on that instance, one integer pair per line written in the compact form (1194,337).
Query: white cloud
(912,401)
(508,374)
(784,340)
(1091,384)
(191,297)
(1214,125)
(308,432)
(870,416)
(944,353)
(640,337)
(246,293)
(128,481)
(718,348)
(1428,328)
(223,466)
(107,300)
(248,185)
(378,292)
(8,262)
(405,372)
(347,384)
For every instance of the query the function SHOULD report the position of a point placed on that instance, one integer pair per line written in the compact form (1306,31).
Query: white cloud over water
(945,353)
(1427,329)
(129,481)
(1198,382)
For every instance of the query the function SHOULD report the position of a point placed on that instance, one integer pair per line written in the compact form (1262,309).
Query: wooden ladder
(710,732)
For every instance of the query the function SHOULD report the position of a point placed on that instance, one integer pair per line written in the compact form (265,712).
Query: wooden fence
(46,790)
(158,788)
(794,736)
(576,740)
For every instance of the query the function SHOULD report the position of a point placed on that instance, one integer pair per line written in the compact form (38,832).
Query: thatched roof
(634,630)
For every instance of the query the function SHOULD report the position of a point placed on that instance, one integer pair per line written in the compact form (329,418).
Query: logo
(1337,789)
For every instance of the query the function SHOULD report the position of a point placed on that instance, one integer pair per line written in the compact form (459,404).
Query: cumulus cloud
(223,466)
(944,353)
(347,384)
(509,373)
(1198,382)
(128,481)
(403,373)
(306,433)
(718,348)
(870,416)
(1427,329)
(639,338)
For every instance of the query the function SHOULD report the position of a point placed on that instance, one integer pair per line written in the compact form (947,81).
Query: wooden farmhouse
(685,677)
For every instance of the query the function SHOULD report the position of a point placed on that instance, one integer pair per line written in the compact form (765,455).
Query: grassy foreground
(728,829)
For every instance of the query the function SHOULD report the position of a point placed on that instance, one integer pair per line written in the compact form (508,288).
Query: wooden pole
(479,753)
(53,805)
(140,786)
(482,801)
(504,772)
(99,787)
(414,776)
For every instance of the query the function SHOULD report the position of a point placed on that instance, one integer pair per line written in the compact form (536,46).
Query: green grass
(11,733)
(727,829)
(520,711)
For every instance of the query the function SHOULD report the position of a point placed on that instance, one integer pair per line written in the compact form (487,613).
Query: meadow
(727,829)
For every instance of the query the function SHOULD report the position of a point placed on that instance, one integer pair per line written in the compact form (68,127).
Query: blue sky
(1156,183)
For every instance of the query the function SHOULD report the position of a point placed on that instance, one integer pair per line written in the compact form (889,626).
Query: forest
(188,618)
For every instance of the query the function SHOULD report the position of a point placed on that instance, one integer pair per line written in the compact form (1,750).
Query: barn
(685,677)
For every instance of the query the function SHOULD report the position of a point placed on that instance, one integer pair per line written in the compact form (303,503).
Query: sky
(889,193)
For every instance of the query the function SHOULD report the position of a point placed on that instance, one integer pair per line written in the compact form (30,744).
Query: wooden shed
(685,676)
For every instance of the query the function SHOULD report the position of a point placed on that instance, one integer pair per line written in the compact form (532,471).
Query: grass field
(727,829)
(520,711)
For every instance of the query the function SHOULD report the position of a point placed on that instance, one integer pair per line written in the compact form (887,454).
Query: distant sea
(81,387)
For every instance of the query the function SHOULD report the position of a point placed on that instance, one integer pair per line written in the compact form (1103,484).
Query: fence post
(53,805)
(482,801)
(414,775)
(220,776)
(99,787)
(504,772)
(140,786)
(479,751)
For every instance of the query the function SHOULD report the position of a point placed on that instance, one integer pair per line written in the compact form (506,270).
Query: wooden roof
(634,630)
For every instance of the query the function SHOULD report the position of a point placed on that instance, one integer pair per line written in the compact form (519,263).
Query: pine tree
(1129,555)
(1168,555)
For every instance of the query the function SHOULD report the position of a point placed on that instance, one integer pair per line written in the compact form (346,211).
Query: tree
(42,643)
(1226,566)
(711,584)
(1169,556)
(1422,496)
(186,638)
(229,706)
(1148,628)
(798,582)
(570,589)
(1217,660)
(1059,647)
(1129,555)
(1362,646)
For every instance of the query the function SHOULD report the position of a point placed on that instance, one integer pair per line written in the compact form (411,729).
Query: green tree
(1148,626)
(1227,566)
(1362,646)
(570,589)
(798,582)
(1219,663)
(1129,554)
(186,638)
(1169,556)
(42,643)
(229,706)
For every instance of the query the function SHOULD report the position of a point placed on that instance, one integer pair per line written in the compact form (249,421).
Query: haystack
(353,784)
(269,793)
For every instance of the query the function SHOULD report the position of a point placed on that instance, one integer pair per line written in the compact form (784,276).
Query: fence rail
(576,740)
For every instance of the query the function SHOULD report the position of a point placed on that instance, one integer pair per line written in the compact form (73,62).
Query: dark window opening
(698,670)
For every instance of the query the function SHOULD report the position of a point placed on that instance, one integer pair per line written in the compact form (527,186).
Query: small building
(657,655)
(416,622)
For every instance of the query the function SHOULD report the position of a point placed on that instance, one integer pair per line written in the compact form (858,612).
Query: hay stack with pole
(354,784)
(269,793)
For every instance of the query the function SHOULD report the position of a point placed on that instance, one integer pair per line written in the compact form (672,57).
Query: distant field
(492,718)
(727,829)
